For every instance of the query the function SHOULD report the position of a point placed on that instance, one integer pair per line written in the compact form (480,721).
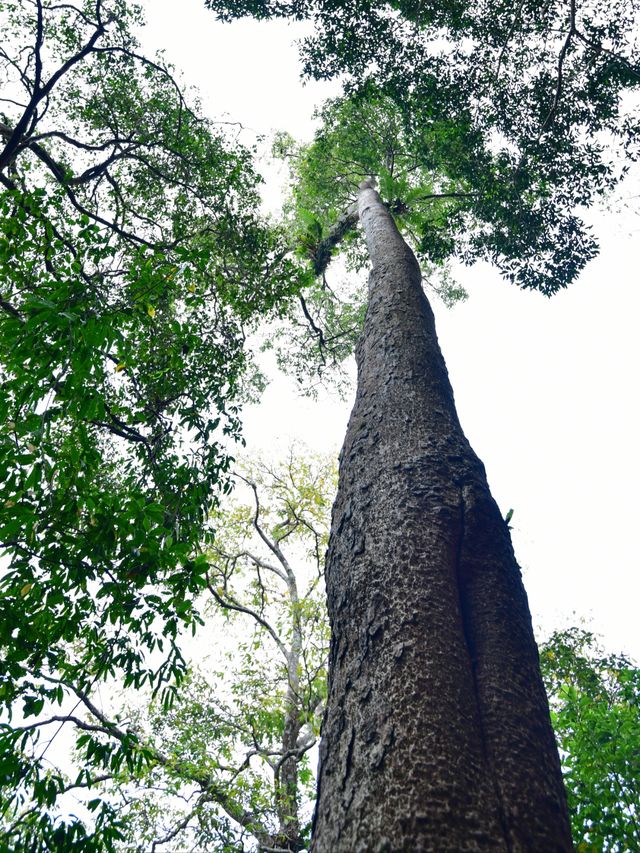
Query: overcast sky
(547,390)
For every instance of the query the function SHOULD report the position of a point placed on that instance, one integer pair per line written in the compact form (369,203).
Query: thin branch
(232,604)
(16,103)
(317,331)
(61,175)
(41,92)
(598,48)
(560,74)
(508,38)
(77,143)
(254,559)
(38,47)
(6,833)
(67,718)
(179,827)
(271,545)
(122,430)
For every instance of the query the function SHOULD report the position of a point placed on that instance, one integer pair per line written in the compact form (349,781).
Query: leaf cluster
(595,709)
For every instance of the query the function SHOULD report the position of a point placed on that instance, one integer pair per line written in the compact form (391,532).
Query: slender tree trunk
(287,780)
(437,734)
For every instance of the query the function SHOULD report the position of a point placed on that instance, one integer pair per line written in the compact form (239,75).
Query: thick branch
(322,254)
(41,92)
(262,564)
(560,78)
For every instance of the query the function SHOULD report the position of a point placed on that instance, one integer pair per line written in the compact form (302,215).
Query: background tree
(595,708)
(133,264)
(228,764)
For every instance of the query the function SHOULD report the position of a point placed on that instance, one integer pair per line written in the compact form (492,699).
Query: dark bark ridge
(437,734)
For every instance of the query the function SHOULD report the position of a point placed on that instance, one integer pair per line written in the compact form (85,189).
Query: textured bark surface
(437,734)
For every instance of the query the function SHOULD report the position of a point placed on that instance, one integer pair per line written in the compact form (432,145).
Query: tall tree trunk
(437,734)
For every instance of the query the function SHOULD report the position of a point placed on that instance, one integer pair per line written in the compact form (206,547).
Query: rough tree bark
(437,734)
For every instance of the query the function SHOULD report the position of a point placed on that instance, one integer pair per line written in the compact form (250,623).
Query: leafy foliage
(228,763)
(359,137)
(520,104)
(595,706)
(133,263)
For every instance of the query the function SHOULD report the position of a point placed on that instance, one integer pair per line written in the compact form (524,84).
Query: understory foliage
(230,765)
(133,263)
(227,766)
(595,709)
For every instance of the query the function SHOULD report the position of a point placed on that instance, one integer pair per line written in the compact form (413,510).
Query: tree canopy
(522,109)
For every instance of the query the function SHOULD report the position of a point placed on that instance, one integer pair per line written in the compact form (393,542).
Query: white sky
(547,390)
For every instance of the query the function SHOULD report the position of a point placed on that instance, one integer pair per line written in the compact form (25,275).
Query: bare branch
(232,604)
(271,545)
(254,559)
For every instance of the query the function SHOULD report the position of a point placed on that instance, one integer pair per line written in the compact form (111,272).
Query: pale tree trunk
(437,734)
(286,779)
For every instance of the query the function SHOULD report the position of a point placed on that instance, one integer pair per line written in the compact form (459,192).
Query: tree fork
(436,734)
